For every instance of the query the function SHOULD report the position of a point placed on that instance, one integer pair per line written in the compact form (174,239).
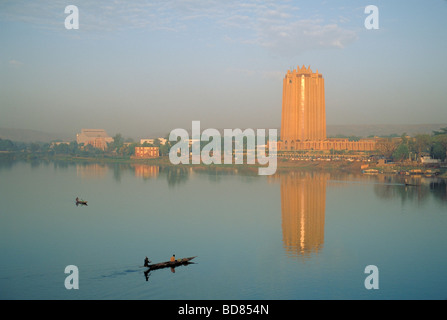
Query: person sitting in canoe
(173,258)
(146,262)
(77,199)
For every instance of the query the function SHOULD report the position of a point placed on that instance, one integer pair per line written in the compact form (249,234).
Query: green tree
(354,138)
(34,147)
(73,147)
(128,149)
(118,142)
(421,143)
(61,148)
(386,147)
(441,140)
(7,145)
(164,148)
(402,152)
(90,150)
(404,138)
(438,151)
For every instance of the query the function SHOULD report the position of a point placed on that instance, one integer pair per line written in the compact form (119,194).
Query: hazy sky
(146,67)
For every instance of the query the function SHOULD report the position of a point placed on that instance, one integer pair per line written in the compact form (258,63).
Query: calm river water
(295,235)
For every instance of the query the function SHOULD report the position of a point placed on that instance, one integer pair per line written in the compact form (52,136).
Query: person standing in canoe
(146,262)
(173,260)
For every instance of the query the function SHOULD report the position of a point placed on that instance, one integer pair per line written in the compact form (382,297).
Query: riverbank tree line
(391,147)
(120,147)
(412,148)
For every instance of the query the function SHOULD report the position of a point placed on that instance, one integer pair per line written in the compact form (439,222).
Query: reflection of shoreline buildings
(303,202)
(303,119)
(97,138)
(91,170)
(146,171)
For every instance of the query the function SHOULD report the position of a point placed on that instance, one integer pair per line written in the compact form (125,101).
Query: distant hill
(25,135)
(382,129)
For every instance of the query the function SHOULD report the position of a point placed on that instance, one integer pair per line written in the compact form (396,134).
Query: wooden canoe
(81,202)
(171,264)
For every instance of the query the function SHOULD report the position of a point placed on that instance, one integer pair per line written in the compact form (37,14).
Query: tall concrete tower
(303,108)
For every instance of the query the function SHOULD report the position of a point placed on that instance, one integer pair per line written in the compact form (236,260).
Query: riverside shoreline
(282,164)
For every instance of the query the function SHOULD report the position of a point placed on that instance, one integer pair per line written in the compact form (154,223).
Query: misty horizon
(28,135)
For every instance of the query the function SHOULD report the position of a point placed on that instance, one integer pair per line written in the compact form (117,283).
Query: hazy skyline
(147,67)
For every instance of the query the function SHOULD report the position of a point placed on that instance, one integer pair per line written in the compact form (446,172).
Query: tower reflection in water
(303,203)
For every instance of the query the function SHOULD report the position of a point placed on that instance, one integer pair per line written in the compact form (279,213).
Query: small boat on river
(407,184)
(411,185)
(175,263)
(80,202)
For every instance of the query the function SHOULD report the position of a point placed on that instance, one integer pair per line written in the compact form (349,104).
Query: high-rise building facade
(303,119)
(303,108)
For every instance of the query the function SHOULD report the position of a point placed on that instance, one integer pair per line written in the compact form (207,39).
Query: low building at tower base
(328,144)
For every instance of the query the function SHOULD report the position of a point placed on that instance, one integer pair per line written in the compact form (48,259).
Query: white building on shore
(97,138)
